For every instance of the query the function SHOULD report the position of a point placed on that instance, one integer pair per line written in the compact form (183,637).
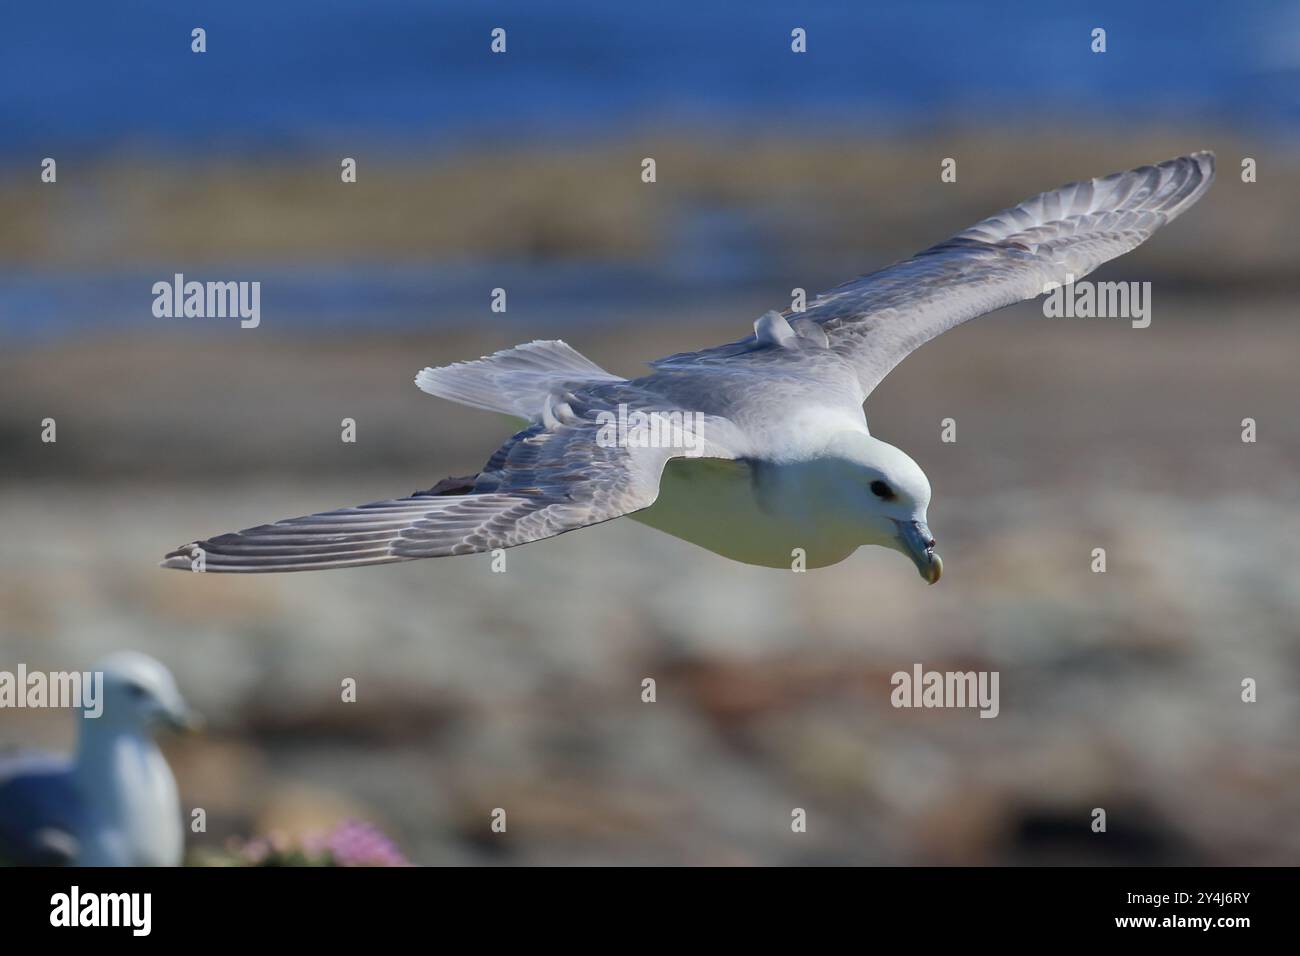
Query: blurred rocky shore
(522,690)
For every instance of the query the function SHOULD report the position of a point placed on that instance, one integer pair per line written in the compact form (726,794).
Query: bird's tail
(515,381)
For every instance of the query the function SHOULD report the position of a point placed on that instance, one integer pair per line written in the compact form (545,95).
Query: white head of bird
(886,492)
(140,695)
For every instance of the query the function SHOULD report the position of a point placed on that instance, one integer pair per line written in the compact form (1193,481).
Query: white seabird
(772,453)
(115,802)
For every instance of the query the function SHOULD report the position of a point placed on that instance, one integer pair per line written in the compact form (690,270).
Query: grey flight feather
(877,320)
(555,476)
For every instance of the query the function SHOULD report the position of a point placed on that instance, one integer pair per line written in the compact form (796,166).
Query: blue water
(279,73)
(41,306)
(83,78)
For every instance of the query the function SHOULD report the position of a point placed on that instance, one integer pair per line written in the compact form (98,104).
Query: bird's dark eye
(135,690)
(882,490)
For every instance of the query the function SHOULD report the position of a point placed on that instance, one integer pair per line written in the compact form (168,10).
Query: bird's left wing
(1056,237)
(1049,240)
(38,805)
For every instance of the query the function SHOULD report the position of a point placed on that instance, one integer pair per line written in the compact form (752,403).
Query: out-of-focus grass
(844,198)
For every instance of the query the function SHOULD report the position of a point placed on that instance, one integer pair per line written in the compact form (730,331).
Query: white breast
(719,505)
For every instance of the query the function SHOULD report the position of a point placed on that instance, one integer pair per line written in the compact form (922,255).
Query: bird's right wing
(545,482)
(573,469)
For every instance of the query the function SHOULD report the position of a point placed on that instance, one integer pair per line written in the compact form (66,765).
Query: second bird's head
(141,694)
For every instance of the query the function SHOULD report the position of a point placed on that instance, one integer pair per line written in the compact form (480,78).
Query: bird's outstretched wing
(875,321)
(38,805)
(552,477)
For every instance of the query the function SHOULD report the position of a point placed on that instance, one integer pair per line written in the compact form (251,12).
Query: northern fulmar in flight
(752,449)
